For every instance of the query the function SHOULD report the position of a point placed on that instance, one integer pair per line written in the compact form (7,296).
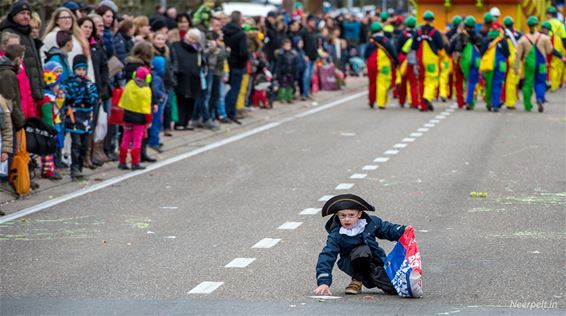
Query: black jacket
(236,39)
(101,74)
(187,66)
(10,90)
(34,68)
(310,43)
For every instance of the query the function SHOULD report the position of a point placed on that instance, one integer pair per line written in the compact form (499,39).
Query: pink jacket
(28,104)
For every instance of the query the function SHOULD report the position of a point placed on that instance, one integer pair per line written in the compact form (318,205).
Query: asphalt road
(143,246)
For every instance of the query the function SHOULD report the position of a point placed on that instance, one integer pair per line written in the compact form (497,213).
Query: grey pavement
(138,247)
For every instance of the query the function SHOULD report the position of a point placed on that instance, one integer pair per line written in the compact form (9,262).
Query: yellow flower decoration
(50,77)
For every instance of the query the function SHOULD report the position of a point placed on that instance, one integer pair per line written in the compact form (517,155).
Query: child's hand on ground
(322,289)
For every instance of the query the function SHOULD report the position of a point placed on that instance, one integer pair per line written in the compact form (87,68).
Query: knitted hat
(470,21)
(51,79)
(546,25)
(52,66)
(411,22)
(457,20)
(532,21)
(18,7)
(508,21)
(376,27)
(428,16)
(80,61)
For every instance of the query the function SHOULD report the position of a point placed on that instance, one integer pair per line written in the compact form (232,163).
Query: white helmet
(495,12)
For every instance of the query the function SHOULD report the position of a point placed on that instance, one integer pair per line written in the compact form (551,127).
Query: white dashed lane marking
(358,176)
(344,186)
(206,287)
(400,145)
(380,159)
(266,243)
(391,152)
(408,140)
(290,225)
(240,263)
(310,211)
(370,167)
(325,198)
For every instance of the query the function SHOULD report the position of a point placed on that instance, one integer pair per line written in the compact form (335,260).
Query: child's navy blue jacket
(343,245)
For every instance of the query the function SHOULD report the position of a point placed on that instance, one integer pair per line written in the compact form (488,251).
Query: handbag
(114,66)
(116,112)
(40,137)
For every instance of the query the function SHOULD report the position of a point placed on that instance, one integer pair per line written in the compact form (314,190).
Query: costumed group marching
(473,60)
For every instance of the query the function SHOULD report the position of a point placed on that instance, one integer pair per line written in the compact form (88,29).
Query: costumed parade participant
(381,61)
(429,46)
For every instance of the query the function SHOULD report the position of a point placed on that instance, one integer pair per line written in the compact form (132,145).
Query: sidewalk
(182,141)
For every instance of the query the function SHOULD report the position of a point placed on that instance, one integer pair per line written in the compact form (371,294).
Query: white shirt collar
(355,230)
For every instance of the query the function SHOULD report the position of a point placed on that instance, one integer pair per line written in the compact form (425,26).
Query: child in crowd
(57,69)
(50,114)
(59,53)
(286,71)
(136,102)
(159,98)
(301,63)
(82,96)
(352,233)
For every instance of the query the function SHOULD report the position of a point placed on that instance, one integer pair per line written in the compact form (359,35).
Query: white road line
(290,225)
(166,162)
(400,145)
(408,140)
(325,198)
(266,243)
(358,176)
(434,121)
(416,134)
(206,287)
(381,159)
(428,125)
(370,167)
(440,117)
(344,186)
(240,263)
(391,152)
(310,211)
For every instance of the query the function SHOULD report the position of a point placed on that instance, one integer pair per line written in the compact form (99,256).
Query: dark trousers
(78,151)
(185,107)
(364,269)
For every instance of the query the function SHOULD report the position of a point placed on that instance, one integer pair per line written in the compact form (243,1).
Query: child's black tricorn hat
(345,202)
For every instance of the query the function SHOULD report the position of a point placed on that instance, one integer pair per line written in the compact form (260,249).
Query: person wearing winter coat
(81,98)
(188,64)
(17,22)
(235,38)
(9,89)
(352,235)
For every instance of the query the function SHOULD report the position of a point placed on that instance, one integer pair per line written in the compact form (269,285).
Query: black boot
(144,156)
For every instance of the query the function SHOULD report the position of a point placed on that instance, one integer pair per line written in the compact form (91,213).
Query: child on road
(352,233)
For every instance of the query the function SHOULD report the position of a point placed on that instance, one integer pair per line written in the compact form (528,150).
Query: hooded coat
(10,90)
(32,62)
(338,244)
(236,39)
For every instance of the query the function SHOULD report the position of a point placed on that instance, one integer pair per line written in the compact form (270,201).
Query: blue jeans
(156,123)
(307,78)
(201,104)
(236,76)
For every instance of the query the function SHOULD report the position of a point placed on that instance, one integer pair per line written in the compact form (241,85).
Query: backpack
(19,173)
(40,137)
